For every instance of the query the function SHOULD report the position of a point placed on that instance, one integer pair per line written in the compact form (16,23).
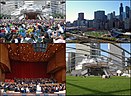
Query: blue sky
(104,46)
(88,7)
(126,46)
(73,45)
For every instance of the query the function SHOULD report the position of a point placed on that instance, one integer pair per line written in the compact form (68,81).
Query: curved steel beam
(106,57)
(121,48)
(117,55)
(101,50)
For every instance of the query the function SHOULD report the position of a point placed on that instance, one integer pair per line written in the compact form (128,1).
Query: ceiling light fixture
(40,47)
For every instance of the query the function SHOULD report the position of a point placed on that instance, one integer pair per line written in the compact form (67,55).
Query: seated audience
(32,31)
(31,85)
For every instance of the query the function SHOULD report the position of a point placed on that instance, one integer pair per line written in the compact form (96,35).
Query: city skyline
(83,6)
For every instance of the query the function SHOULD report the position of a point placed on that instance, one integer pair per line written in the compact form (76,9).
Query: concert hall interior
(22,61)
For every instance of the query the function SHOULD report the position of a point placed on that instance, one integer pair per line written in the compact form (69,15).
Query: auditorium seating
(32,31)
(31,86)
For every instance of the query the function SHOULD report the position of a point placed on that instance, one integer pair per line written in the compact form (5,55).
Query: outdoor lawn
(96,33)
(97,86)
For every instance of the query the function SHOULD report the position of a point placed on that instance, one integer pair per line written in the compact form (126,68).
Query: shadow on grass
(73,80)
(96,92)
(119,91)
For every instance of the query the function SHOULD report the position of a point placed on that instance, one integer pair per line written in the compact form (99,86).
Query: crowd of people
(32,86)
(32,31)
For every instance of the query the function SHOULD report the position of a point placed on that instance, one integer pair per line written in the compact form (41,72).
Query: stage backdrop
(27,70)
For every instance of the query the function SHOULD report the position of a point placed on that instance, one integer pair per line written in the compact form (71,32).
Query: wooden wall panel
(60,75)
(51,64)
(4,58)
(60,58)
(2,76)
(64,75)
(57,65)
(61,62)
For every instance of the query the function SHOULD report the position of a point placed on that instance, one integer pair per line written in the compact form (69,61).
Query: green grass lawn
(98,86)
(96,33)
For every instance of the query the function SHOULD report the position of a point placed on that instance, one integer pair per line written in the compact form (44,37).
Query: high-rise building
(121,12)
(58,6)
(71,61)
(62,7)
(127,23)
(114,14)
(99,15)
(124,16)
(117,58)
(94,50)
(127,20)
(83,51)
(109,16)
(130,13)
(42,4)
(127,9)
(90,23)
(129,61)
(130,20)
(9,6)
(99,19)
(80,16)
(123,59)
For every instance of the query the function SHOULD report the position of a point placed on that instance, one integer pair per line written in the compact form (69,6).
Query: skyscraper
(94,51)
(130,20)
(117,60)
(81,51)
(58,6)
(99,19)
(99,15)
(9,6)
(113,14)
(71,61)
(127,11)
(121,12)
(80,16)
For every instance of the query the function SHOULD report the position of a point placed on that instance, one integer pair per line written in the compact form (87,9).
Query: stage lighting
(40,47)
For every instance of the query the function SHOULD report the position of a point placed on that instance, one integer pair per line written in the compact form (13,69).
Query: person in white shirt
(60,40)
(22,90)
(27,90)
(38,88)
(60,30)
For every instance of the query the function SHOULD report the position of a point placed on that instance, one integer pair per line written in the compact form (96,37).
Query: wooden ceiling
(25,52)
